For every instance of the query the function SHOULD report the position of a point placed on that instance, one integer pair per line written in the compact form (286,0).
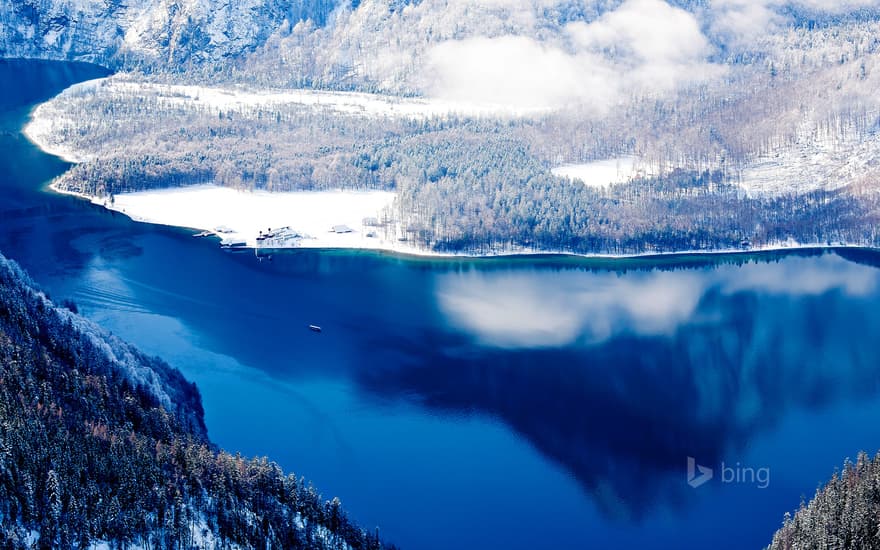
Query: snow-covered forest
(101,446)
(747,124)
(841,514)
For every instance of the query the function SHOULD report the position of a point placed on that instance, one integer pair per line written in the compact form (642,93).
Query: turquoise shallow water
(516,403)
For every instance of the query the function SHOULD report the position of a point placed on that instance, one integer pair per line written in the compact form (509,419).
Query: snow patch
(357,103)
(244,214)
(602,173)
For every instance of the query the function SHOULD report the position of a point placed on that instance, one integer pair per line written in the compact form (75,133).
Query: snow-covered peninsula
(325,219)
(415,175)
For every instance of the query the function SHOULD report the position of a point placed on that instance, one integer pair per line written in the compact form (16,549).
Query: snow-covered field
(357,103)
(247,213)
(242,215)
(602,173)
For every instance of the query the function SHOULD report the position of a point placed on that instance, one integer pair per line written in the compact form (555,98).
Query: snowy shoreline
(156,210)
(44,119)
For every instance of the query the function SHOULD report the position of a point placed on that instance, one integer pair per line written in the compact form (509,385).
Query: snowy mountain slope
(161,34)
(88,30)
(585,50)
(104,447)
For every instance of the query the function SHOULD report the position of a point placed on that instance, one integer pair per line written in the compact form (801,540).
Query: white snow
(50,122)
(813,163)
(367,104)
(122,354)
(246,213)
(212,208)
(53,128)
(602,173)
(202,537)
(239,216)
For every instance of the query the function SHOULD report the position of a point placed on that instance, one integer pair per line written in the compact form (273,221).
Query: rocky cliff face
(87,30)
(153,33)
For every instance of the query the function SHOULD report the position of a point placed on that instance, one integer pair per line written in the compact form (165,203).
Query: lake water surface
(499,403)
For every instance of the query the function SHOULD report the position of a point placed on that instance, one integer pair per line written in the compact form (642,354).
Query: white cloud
(517,72)
(644,45)
(646,31)
(742,21)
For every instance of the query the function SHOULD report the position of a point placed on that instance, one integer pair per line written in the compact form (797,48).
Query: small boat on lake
(314,328)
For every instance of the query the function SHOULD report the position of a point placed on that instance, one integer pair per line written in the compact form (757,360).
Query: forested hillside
(843,514)
(101,444)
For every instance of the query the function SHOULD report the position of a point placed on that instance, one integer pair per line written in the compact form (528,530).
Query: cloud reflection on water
(526,309)
(620,376)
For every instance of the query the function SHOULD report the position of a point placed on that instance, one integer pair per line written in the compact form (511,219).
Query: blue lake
(515,403)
